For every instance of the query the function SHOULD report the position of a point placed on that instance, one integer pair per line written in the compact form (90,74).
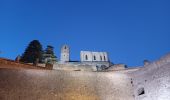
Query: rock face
(153,80)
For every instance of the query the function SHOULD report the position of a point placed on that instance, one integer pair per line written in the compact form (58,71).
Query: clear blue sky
(129,30)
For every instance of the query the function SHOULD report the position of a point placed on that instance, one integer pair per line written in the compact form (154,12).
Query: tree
(48,55)
(49,50)
(33,53)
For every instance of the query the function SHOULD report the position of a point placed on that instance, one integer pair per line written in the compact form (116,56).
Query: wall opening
(65,47)
(94,57)
(86,57)
(104,58)
(141,91)
(101,58)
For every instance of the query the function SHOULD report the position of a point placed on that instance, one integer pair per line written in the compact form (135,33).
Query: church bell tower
(65,53)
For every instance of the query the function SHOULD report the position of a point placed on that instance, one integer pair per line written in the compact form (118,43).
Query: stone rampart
(31,84)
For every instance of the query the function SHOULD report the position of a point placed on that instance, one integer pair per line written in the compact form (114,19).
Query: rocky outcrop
(153,80)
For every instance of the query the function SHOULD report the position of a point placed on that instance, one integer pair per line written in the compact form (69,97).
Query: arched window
(65,47)
(86,57)
(101,58)
(94,57)
(104,58)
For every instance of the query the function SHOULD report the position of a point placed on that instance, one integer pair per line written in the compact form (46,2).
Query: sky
(129,30)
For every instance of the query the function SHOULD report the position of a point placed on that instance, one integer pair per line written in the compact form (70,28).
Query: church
(87,58)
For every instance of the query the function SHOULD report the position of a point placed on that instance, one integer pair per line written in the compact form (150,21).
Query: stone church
(87,58)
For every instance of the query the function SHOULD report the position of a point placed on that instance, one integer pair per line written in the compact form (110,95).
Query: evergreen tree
(33,53)
(49,56)
(49,50)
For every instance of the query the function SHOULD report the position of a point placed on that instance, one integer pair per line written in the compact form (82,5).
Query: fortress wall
(31,84)
(72,67)
(155,79)
(23,82)
(116,67)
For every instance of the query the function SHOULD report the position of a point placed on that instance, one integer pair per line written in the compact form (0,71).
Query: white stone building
(93,56)
(65,53)
(87,58)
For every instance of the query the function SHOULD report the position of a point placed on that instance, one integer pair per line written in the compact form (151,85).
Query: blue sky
(129,30)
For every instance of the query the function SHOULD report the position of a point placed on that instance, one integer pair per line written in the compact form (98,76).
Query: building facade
(97,60)
(89,56)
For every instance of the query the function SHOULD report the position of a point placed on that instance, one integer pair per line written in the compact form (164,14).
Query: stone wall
(81,66)
(31,84)
(74,67)
(116,67)
(151,82)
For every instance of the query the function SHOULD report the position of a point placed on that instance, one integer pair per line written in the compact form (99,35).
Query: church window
(94,57)
(101,58)
(86,57)
(104,58)
(65,47)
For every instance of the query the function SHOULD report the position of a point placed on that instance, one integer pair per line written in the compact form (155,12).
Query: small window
(94,57)
(101,58)
(141,91)
(86,57)
(65,47)
(104,58)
